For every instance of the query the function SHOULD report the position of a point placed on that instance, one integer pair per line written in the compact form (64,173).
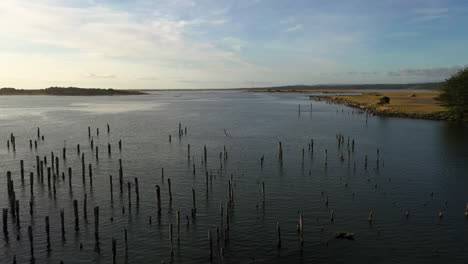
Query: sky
(184,44)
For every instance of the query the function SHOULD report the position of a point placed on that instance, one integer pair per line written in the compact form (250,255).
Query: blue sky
(165,44)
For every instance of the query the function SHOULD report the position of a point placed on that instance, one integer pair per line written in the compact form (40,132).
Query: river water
(422,169)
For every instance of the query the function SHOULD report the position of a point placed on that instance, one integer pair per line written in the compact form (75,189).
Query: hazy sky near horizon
(144,44)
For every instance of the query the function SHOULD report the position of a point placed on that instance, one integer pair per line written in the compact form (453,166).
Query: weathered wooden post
(137,191)
(64,153)
(188,152)
(89,132)
(280,151)
(158,199)
(97,153)
(96,228)
(120,145)
(90,175)
(170,138)
(31,183)
(22,170)
(129,196)
(83,170)
(78,149)
(171,245)
(170,189)
(70,178)
(109,149)
(77,221)
(85,208)
(365,162)
(120,175)
(194,209)
(108,129)
(48,178)
(204,153)
(263,191)
(162,174)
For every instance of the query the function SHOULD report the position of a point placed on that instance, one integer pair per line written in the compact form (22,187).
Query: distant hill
(418,86)
(68,91)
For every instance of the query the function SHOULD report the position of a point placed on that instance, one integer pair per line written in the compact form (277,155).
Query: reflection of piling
(31,243)
(47,233)
(62,221)
(278,231)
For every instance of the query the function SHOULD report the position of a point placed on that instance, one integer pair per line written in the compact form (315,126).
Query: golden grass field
(400,102)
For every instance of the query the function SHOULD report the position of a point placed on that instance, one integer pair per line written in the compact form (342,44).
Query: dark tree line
(455,94)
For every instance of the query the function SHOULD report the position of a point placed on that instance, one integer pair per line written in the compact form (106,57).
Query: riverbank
(408,104)
(68,91)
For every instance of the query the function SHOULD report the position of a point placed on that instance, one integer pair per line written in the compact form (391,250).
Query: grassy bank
(402,104)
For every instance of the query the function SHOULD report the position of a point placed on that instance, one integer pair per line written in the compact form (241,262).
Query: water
(417,158)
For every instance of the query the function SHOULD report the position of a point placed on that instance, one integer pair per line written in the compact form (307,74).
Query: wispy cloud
(429,14)
(293,28)
(100,76)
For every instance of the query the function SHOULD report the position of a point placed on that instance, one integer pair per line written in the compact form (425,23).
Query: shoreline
(374,109)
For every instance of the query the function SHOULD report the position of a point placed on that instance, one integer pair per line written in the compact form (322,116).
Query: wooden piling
(158,199)
(90,174)
(96,228)
(120,145)
(109,149)
(170,189)
(120,175)
(22,170)
(31,183)
(70,178)
(85,207)
(280,151)
(129,196)
(77,221)
(171,244)
(263,191)
(137,191)
(194,209)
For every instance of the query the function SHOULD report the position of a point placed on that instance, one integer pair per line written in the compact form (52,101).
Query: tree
(454,93)
(384,100)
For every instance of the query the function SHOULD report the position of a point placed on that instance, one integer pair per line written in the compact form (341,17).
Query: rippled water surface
(423,169)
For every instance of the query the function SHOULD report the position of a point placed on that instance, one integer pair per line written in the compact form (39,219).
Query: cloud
(100,76)
(429,14)
(293,28)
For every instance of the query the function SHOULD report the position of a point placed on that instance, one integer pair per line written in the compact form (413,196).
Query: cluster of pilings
(56,167)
